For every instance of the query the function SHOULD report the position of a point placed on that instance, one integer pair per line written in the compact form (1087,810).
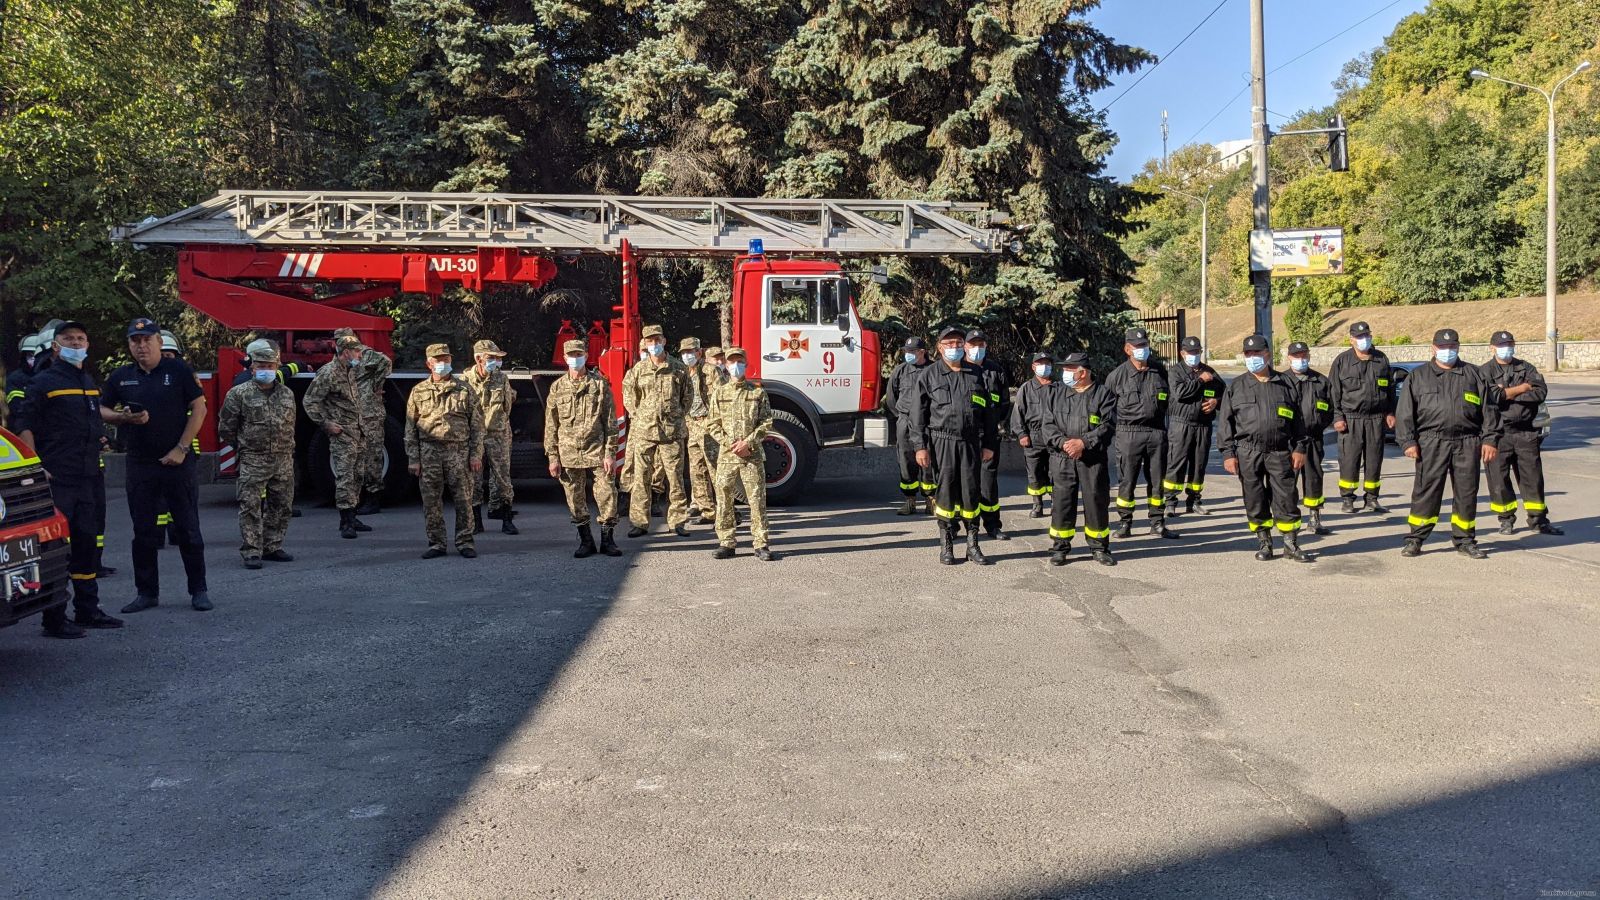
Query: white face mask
(1363,344)
(689,359)
(657,349)
(73,355)
(441,368)
(736,370)
(1069,377)
(1298,364)
(976,354)
(1191,359)
(1041,370)
(576,363)
(1505,353)
(1445,355)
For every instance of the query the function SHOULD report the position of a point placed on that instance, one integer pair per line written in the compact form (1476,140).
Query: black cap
(976,335)
(72,323)
(1360,329)
(142,325)
(1446,337)
(1136,336)
(1075,360)
(952,331)
(1041,354)
(1500,338)
(1254,343)
(1298,347)
(916,343)
(1191,343)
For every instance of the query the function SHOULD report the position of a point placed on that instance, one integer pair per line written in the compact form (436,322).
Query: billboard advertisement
(1298,252)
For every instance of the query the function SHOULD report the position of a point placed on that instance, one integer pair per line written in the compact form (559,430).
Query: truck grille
(26,502)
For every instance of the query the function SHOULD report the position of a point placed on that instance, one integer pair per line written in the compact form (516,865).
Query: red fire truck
(297,265)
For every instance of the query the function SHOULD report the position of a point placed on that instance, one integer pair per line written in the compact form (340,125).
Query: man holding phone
(160,409)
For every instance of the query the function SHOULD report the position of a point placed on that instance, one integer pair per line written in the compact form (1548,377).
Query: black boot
(608,543)
(1316,522)
(909,507)
(357,524)
(1037,512)
(1508,526)
(1412,548)
(1547,528)
(927,506)
(1058,553)
(947,553)
(974,553)
(1348,505)
(1104,558)
(1170,501)
(1198,507)
(1160,528)
(586,546)
(347,527)
(507,526)
(1470,548)
(993,529)
(1264,540)
(1125,530)
(369,505)
(1374,507)
(477,519)
(1291,547)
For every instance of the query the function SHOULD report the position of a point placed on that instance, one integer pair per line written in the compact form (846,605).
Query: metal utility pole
(1163,140)
(1205,257)
(1550,333)
(1262,281)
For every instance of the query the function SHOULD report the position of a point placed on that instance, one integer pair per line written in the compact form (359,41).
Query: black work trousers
(1036,464)
(1266,475)
(1361,450)
(989,490)
(150,486)
(913,478)
(1188,450)
(1090,476)
(83,501)
(1519,454)
(1141,452)
(1440,457)
(1311,495)
(959,464)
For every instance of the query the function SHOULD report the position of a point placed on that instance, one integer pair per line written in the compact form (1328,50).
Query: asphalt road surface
(852,720)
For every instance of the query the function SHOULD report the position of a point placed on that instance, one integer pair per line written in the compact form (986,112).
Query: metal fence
(1167,330)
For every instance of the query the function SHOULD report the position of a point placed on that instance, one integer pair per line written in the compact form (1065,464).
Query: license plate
(19,551)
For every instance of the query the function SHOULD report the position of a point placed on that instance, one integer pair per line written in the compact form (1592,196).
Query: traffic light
(1338,146)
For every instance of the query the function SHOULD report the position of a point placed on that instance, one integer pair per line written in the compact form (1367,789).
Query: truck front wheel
(791,455)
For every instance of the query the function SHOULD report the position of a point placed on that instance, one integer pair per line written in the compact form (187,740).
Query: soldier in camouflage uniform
(373,373)
(580,437)
(444,442)
(656,394)
(739,421)
(257,418)
(703,379)
(495,397)
(334,402)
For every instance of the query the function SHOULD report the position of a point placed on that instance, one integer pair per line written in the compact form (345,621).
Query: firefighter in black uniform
(61,418)
(1262,438)
(1079,430)
(1195,391)
(1140,386)
(897,400)
(1449,423)
(1519,389)
(1028,417)
(1316,410)
(1363,405)
(1000,399)
(955,428)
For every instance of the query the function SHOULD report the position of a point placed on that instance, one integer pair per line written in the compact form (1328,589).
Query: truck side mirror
(844,321)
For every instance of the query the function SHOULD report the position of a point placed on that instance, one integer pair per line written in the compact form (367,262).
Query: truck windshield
(806,301)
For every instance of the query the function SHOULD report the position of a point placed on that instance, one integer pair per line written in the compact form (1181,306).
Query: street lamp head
(1581,66)
(1478,73)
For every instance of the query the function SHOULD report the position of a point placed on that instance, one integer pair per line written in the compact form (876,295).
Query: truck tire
(791,453)
(398,484)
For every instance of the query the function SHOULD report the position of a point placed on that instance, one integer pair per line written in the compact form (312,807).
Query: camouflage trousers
(579,484)
(266,495)
(348,453)
(446,465)
(496,486)
(647,455)
(702,491)
(750,475)
(372,441)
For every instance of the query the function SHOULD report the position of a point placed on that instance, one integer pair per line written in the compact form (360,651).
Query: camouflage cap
(574,348)
(438,350)
(651,331)
(350,342)
(487,347)
(257,344)
(714,351)
(264,353)
(735,351)
(689,343)
(346,331)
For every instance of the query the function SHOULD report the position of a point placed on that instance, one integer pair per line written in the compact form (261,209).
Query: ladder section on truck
(578,223)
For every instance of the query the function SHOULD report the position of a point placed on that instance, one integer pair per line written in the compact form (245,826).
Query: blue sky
(1194,82)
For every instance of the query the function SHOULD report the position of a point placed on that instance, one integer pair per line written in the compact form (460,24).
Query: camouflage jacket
(495,397)
(373,374)
(703,379)
(580,422)
(657,398)
(335,396)
(739,411)
(443,412)
(257,421)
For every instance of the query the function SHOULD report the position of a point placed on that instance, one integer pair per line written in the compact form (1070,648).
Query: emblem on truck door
(794,344)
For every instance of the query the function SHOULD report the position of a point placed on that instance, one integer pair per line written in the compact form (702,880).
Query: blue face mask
(491,365)
(1298,364)
(689,359)
(976,354)
(1445,355)
(1069,377)
(736,370)
(355,362)
(1255,364)
(1142,354)
(1191,359)
(1042,371)
(952,354)
(441,368)
(1363,344)
(264,376)
(911,358)
(576,362)
(1504,354)
(74,355)
(657,349)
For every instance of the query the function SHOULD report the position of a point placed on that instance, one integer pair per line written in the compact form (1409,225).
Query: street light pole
(1205,257)
(1261,199)
(1550,333)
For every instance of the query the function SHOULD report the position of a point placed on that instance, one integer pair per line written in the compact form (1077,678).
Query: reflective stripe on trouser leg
(1519,456)
(77,498)
(1267,480)
(1311,473)
(1036,464)
(957,496)
(1088,477)
(1141,453)
(1466,471)
(1361,451)
(989,490)
(1188,450)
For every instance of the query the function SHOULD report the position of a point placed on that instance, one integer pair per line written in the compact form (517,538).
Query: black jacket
(1265,414)
(955,404)
(1141,396)
(1316,401)
(1032,409)
(999,383)
(901,391)
(1187,393)
(1455,402)
(1361,387)
(62,408)
(1089,415)
(1516,415)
